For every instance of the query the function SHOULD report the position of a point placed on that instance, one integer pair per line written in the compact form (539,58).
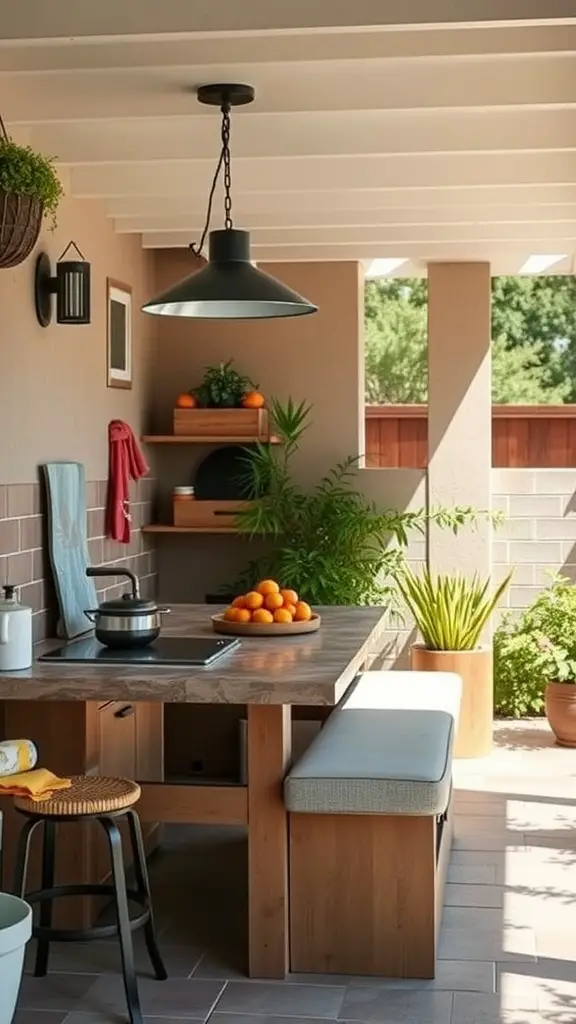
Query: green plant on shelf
(222,387)
(330,543)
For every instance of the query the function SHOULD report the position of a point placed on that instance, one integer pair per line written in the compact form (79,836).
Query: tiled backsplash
(23,547)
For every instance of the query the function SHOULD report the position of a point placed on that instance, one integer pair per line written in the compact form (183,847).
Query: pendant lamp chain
(223,162)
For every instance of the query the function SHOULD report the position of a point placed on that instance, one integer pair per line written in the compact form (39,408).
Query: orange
(239,602)
(290,607)
(273,601)
(282,615)
(290,596)
(253,400)
(231,614)
(243,615)
(253,600)
(186,401)
(268,587)
(262,616)
(303,612)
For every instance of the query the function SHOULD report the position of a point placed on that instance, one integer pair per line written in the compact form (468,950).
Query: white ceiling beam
(373,250)
(325,173)
(399,236)
(343,204)
(238,51)
(544,217)
(334,86)
(36,19)
(332,134)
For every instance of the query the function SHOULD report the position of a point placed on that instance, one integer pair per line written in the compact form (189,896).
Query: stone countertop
(313,668)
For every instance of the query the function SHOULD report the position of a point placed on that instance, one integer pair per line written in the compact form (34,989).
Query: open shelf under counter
(213,439)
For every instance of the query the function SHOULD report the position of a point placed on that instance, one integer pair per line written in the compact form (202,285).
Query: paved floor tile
(40,1017)
(462,895)
(281,998)
(104,958)
(55,992)
(178,997)
(372,1005)
(487,944)
(451,976)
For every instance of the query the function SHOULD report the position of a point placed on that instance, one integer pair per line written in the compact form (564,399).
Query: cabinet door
(117,739)
(149,742)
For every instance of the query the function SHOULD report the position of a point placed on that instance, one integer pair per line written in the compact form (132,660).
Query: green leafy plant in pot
(451,613)
(30,189)
(222,387)
(328,542)
(535,661)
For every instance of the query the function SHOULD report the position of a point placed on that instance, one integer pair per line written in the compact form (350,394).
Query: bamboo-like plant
(450,611)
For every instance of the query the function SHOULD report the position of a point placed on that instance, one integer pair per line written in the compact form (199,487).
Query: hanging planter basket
(20,223)
(29,189)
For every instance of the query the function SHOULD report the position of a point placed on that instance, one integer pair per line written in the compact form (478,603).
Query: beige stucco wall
(318,358)
(53,397)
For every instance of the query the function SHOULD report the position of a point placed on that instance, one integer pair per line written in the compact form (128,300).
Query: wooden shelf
(189,439)
(161,528)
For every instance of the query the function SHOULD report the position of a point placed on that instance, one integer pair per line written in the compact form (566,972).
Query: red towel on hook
(125,462)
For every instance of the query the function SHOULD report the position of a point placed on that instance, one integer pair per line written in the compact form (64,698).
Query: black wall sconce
(71,285)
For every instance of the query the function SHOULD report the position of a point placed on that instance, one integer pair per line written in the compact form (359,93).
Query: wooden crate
(232,423)
(205,515)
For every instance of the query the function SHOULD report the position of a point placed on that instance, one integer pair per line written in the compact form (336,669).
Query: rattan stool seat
(88,795)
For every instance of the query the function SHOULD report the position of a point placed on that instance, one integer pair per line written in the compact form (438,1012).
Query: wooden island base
(366,893)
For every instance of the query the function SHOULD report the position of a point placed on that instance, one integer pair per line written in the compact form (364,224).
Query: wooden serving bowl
(222,625)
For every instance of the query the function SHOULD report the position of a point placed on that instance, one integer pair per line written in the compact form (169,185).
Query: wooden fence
(523,436)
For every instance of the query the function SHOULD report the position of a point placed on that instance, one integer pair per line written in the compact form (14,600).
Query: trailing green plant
(24,172)
(450,611)
(330,543)
(222,387)
(537,647)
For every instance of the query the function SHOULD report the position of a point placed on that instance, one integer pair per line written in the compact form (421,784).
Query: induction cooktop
(166,650)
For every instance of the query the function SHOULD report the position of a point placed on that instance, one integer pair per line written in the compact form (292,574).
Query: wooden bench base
(366,893)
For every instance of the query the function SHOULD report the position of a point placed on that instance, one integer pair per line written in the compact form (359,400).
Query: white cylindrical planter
(15,931)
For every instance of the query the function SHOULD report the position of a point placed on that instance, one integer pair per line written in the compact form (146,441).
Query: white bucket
(15,931)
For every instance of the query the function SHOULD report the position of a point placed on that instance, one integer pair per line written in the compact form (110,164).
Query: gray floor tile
(104,958)
(451,976)
(462,895)
(227,966)
(373,1005)
(40,1017)
(482,1009)
(282,999)
(243,1018)
(54,992)
(487,944)
(480,918)
(177,997)
(472,874)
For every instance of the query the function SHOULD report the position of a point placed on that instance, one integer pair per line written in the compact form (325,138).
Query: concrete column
(459,410)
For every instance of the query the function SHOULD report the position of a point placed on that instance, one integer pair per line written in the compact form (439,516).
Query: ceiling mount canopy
(229,287)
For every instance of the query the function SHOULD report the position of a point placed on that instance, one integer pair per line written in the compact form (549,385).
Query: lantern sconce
(71,285)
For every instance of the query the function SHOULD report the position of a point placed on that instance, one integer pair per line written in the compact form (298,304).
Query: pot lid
(128,605)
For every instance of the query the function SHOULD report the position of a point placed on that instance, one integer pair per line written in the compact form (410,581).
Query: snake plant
(450,611)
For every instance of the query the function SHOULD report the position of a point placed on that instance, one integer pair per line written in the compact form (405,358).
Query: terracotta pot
(474,735)
(561,712)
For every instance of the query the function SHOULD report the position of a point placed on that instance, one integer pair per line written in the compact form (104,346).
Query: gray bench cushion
(386,750)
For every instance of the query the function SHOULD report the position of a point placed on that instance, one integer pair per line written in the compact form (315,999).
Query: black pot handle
(105,570)
(124,712)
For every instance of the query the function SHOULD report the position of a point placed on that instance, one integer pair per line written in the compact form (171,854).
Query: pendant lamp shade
(229,287)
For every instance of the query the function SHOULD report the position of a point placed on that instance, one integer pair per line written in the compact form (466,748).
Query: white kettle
(15,633)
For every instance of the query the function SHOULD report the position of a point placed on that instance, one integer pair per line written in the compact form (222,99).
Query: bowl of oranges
(268,610)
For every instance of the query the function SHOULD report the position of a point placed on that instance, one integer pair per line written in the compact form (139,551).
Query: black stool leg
(22,856)
(124,932)
(48,853)
(143,887)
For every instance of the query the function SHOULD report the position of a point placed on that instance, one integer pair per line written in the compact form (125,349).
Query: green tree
(534,340)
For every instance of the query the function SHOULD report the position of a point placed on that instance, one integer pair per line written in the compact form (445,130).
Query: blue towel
(68,545)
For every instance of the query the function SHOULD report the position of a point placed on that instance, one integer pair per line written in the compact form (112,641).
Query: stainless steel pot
(129,621)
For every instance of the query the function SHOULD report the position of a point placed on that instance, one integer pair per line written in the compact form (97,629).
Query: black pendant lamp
(228,287)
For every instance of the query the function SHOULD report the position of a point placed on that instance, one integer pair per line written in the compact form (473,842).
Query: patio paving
(508,943)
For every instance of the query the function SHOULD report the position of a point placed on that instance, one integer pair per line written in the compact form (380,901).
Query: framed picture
(119,335)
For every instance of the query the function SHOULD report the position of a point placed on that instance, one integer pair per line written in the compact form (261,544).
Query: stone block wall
(538,536)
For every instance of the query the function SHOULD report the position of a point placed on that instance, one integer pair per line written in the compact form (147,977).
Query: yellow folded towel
(36,785)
